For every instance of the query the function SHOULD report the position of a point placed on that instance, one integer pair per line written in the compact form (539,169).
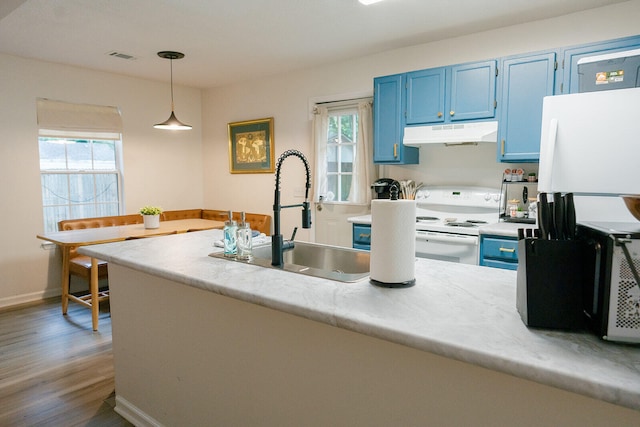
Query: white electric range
(448,220)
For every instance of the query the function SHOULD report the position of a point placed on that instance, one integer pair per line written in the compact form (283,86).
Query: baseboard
(133,414)
(27,298)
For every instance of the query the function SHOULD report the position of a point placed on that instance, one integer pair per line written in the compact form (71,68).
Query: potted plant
(532,177)
(151,216)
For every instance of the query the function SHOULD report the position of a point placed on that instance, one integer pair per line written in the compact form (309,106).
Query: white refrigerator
(590,146)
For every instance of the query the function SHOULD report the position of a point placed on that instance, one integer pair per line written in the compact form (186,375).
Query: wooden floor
(54,370)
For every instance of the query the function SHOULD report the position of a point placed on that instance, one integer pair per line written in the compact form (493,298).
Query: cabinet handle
(364,236)
(510,250)
(439,114)
(502,148)
(451,113)
(395,150)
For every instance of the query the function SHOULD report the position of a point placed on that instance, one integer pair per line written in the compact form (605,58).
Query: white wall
(161,167)
(191,169)
(285,97)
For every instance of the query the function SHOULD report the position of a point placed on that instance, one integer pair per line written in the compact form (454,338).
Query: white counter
(462,312)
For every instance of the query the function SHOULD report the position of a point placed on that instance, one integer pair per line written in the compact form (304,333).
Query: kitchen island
(204,341)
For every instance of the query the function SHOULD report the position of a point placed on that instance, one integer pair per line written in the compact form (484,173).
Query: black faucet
(278,246)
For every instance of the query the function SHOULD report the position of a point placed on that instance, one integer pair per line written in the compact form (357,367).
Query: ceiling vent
(122,55)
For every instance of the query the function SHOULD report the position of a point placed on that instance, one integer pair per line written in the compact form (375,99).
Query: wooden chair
(80,265)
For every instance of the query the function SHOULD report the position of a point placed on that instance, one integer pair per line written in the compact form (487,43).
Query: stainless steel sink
(314,259)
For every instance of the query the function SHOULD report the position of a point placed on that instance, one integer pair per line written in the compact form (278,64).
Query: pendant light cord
(171,66)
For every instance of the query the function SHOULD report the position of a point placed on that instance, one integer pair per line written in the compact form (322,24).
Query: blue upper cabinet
(425,96)
(570,81)
(388,122)
(473,91)
(526,80)
(449,94)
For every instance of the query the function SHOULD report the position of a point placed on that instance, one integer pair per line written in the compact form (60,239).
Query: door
(473,91)
(526,80)
(425,96)
(387,118)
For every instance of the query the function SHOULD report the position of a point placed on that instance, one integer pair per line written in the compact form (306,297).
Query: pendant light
(172,122)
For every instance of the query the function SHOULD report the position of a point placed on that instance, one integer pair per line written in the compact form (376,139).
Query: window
(80,161)
(344,164)
(80,178)
(341,151)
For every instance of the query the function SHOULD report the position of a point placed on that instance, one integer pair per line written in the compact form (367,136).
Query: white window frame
(340,110)
(51,221)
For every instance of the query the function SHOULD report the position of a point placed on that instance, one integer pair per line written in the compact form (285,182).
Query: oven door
(447,246)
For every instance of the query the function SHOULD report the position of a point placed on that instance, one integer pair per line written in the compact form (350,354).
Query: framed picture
(251,146)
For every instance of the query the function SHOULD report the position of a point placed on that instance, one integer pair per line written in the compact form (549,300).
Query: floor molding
(133,414)
(27,298)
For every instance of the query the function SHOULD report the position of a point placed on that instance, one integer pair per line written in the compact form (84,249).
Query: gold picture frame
(251,146)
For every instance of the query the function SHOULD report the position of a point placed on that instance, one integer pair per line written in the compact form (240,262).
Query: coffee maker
(382,187)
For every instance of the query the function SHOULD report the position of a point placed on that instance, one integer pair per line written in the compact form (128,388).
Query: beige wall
(191,169)
(160,167)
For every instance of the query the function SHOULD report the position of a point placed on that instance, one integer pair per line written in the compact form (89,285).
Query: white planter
(151,221)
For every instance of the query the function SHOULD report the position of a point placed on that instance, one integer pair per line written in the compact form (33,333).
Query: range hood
(451,134)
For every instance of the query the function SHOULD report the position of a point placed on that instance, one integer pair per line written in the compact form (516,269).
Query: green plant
(150,210)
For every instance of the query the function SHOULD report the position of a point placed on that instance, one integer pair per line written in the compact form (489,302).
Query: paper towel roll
(393,242)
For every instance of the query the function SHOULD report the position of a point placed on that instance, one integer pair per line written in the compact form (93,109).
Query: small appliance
(611,295)
(382,187)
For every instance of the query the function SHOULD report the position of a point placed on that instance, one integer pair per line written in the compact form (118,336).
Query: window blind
(68,120)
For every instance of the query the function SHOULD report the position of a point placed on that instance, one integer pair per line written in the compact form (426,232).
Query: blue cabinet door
(526,80)
(473,91)
(570,81)
(388,122)
(425,96)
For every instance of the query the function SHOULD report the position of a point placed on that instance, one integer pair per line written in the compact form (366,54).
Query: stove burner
(461,224)
(426,218)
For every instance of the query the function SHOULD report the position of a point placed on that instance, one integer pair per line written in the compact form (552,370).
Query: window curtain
(320,128)
(364,171)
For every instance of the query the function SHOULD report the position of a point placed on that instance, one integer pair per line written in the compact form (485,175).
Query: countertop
(464,312)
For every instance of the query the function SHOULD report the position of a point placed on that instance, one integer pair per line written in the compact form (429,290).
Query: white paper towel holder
(404,284)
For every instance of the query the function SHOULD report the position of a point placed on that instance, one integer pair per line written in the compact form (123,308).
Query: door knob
(451,113)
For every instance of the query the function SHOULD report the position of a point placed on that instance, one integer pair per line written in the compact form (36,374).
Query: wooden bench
(80,265)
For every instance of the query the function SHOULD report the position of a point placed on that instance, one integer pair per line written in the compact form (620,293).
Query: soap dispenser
(244,239)
(230,242)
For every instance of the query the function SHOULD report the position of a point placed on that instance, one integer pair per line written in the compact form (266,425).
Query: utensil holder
(551,276)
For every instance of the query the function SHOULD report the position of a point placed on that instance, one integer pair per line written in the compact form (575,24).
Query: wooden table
(69,239)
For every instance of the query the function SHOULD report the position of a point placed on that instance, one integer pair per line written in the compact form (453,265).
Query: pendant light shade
(172,122)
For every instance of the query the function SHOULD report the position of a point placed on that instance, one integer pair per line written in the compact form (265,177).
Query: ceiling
(227,41)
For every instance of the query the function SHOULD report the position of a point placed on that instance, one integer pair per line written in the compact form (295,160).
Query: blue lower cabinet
(499,252)
(362,236)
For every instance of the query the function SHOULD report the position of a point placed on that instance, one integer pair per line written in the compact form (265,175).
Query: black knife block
(551,275)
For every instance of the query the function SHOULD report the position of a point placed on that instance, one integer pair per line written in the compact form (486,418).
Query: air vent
(122,55)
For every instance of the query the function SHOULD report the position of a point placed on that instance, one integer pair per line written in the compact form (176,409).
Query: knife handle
(558,216)
(543,216)
(570,216)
